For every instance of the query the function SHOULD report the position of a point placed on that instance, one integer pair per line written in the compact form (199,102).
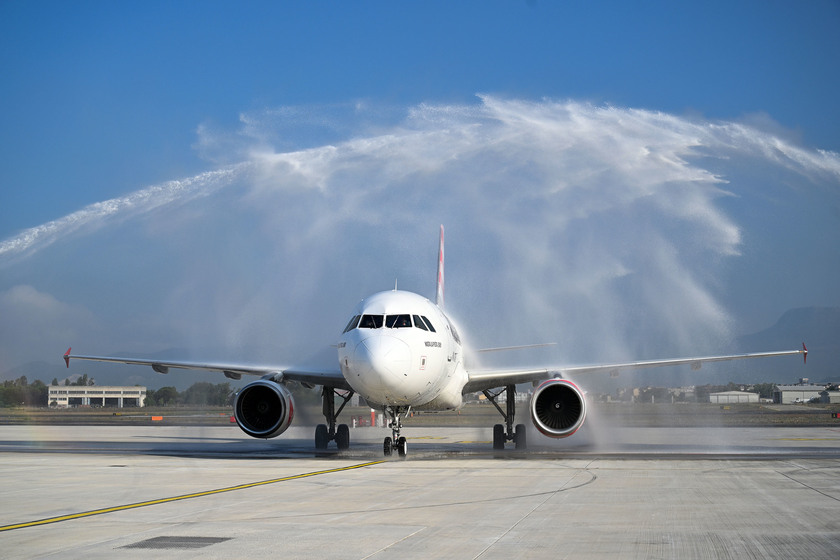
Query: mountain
(37,370)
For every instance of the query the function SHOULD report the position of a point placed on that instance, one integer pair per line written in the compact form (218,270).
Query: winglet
(804,354)
(439,293)
(67,357)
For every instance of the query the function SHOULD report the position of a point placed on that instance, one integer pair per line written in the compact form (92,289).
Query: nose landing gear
(396,443)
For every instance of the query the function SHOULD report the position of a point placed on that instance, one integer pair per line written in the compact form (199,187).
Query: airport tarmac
(212,492)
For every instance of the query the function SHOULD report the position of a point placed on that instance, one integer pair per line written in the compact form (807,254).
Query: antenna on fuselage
(439,292)
(395,284)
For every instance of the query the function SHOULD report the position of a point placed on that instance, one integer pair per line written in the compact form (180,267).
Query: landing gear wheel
(342,437)
(520,438)
(322,437)
(498,436)
(505,433)
(395,442)
(325,433)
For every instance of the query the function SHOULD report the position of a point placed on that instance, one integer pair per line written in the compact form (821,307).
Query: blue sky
(106,99)
(104,96)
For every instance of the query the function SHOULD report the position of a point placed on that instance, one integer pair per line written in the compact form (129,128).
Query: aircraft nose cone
(384,356)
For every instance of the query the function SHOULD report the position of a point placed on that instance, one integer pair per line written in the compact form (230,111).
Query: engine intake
(558,408)
(264,409)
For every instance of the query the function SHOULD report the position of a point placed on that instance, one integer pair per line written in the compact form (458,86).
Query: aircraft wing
(489,379)
(331,378)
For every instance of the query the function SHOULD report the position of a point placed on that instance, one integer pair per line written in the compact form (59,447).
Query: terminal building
(69,396)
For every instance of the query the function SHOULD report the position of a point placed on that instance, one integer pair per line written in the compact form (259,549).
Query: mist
(617,233)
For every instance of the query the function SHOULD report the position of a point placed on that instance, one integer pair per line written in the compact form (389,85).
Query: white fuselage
(400,350)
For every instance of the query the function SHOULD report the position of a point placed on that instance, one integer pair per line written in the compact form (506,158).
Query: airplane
(401,352)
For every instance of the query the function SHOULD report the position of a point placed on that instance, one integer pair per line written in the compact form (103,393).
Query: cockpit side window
(352,324)
(428,323)
(418,322)
(371,322)
(453,331)
(398,321)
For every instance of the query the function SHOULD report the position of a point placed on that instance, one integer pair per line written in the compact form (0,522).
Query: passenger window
(428,323)
(398,321)
(371,322)
(418,322)
(352,324)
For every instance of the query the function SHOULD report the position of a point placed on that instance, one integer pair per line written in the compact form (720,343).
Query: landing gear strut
(325,433)
(396,443)
(503,434)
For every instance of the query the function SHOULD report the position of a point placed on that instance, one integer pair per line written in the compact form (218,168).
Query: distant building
(790,394)
(69,396)
(728,397)
(518,397)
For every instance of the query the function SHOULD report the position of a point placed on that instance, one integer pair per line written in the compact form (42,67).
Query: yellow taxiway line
(181,497)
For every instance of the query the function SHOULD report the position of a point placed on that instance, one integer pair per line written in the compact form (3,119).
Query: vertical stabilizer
(439,293)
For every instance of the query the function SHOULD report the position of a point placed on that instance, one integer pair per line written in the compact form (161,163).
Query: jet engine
(558,408)
(264,409)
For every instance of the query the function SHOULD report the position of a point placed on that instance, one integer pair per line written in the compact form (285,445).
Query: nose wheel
(400,446)
(396,443)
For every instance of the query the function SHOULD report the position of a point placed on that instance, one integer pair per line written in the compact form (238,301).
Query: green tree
(165,396)
(764,390)
(21,392)
(54,382)
(206,394)
(36,394)
(9,394)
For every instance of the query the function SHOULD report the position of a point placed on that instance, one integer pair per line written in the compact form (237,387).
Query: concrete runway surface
(212,492)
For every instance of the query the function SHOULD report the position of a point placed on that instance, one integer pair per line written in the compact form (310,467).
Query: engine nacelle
(558,408)
(264,409)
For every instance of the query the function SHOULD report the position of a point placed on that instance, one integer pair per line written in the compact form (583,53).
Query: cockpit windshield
(371,322)
(401,321)
(398,321)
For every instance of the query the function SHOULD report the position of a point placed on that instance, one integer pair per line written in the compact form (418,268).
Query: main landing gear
(397,442)
(503,434)
(325,433)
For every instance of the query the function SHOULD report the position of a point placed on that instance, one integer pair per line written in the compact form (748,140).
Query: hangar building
(728,397)
(120,397)
(790,394)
